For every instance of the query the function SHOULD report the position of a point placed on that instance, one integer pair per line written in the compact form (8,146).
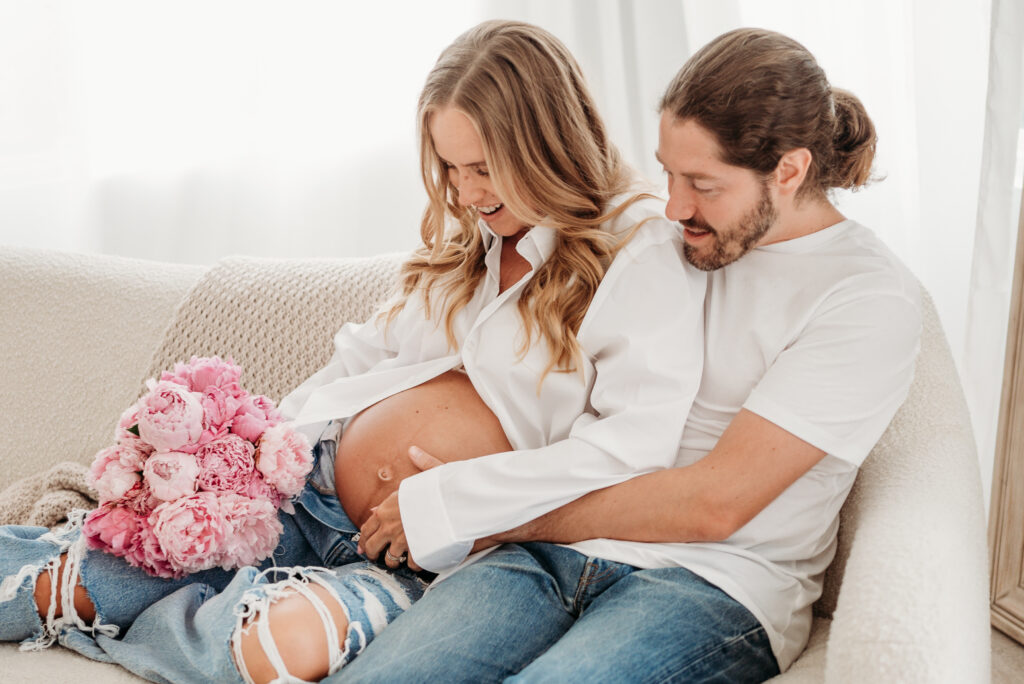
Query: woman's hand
(383,531)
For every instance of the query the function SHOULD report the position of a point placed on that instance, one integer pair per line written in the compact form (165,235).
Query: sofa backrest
(275,318)
(76,332)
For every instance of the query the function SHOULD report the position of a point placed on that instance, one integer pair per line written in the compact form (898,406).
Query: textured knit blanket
(275,318)
(45,499)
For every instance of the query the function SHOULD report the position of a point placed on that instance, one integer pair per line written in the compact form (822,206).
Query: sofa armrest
(77,333)
(913,603)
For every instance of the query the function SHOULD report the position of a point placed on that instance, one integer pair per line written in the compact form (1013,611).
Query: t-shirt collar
(810,241)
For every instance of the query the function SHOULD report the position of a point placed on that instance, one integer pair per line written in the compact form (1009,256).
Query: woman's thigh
(194,634)
(119,591)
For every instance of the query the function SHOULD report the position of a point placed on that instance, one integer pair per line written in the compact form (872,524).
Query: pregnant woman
(548,325)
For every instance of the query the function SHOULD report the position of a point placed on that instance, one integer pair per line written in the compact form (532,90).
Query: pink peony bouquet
(197,474)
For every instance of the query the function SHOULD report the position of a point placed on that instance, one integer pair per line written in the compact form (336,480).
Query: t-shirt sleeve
(838,384)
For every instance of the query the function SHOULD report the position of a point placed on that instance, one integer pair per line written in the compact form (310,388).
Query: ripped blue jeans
(188,629)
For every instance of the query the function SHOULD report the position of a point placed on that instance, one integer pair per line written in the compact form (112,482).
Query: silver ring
(398,559)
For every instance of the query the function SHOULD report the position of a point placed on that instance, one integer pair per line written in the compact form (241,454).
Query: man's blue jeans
(545,613)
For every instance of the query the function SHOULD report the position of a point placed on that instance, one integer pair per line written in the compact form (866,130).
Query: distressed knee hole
(292,632)
(48,599)
(60,600)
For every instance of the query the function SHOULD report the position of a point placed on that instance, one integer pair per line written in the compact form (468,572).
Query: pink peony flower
(170,416)
(146,552)
(284,459)
(200,373)
(139,499)
(129,418)
(254,530)
(123,433)
(191,532)
(184,488)
(111,528)
(226,465)
(254,416)
(205,438)
(220,408)
(115,470)
(257,488)
(171,475)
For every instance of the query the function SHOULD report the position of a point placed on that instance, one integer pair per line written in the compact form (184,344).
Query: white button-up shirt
(621,415)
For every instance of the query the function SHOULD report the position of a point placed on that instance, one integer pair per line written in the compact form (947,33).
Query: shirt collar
(536,246)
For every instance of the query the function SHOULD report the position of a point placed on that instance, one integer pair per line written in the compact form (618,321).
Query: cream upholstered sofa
(905,599)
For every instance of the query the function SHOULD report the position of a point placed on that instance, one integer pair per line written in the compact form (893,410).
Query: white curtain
(995,235)
(187,131)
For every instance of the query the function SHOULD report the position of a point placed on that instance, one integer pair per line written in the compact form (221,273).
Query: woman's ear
(791,170)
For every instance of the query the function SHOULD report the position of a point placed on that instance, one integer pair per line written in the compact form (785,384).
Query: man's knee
(302,633)
(46,596)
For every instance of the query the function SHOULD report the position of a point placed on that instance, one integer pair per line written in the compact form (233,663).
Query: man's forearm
(753,462)
(662,506)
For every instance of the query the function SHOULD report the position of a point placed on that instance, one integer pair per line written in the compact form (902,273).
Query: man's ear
(791,170)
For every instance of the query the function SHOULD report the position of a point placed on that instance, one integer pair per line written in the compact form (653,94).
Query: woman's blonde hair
(549,158)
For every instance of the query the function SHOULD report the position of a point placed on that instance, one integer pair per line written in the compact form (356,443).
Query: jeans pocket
(328,530)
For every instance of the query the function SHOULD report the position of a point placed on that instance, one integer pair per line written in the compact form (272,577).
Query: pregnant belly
(444,416)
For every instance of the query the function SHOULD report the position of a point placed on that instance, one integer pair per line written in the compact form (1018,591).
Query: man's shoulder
(861,262)
(847,258)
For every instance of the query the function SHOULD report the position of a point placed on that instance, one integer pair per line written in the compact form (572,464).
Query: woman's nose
(470,190)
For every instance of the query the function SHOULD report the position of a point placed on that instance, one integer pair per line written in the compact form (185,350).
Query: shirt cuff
(428,531)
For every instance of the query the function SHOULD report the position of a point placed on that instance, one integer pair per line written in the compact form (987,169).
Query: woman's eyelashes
(478,170)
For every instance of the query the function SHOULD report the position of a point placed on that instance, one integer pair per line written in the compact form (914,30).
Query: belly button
(384,474)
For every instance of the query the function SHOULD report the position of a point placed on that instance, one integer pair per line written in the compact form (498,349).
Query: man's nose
(680,205)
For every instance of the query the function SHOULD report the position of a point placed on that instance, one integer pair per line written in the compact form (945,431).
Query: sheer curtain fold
(995,234)
(628,51)
(187,131)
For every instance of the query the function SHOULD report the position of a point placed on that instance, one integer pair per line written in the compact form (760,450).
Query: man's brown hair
(762,94)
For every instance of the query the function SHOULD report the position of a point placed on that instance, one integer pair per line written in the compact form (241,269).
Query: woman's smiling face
(462,152)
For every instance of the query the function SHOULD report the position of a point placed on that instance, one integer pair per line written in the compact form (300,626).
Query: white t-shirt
(623,416)
(818,335)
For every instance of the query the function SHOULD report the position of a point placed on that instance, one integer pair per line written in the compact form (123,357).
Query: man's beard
(729,245)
